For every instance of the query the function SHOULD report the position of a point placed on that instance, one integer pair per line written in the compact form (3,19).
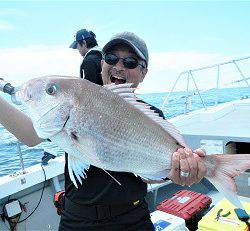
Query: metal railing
(189,75)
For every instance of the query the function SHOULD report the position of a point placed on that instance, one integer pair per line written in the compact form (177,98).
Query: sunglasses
(128,62)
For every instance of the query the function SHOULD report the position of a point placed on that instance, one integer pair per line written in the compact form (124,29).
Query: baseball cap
(132,40)
(81,35)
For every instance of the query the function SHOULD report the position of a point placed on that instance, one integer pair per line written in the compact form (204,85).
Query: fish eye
(51,90)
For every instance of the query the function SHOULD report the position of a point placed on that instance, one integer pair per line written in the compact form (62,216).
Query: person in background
(85,42)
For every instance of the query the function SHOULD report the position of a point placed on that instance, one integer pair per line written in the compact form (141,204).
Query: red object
(59,201)
(185,204)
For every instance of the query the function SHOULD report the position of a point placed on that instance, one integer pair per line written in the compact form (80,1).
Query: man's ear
(102,61)
(84,43)
(144,71)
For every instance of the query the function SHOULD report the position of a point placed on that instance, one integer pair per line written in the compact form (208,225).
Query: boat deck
(229,119)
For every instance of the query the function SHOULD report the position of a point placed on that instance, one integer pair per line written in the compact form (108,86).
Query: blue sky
(34,36)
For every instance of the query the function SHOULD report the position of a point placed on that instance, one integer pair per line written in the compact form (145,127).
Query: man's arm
(17,123)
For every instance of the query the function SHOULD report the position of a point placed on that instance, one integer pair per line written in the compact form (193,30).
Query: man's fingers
(200,152)
(175,161)
(184,167)
(193,167)
(175,168)
(187,167)
(202,170)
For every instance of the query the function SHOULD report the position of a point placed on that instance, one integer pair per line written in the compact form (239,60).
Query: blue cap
(80,36)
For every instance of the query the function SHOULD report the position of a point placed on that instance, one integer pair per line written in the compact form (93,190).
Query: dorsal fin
(127,93)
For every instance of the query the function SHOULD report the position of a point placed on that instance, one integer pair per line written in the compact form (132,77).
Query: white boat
(222,128)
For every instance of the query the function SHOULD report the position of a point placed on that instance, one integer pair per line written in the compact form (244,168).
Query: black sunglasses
(128,62)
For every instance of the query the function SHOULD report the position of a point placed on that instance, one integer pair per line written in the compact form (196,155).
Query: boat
(218,128)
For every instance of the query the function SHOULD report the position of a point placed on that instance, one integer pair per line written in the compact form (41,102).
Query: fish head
(49,101)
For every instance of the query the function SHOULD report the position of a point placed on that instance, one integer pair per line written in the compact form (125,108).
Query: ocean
(9,157)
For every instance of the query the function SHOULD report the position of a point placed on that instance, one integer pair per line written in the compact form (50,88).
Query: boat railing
(20,158)
(189,76)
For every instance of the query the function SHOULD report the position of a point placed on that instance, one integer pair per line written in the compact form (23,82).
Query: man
(85,42)
(100,203)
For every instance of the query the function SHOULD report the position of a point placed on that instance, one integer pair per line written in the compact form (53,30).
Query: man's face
(82,48)
(118,73)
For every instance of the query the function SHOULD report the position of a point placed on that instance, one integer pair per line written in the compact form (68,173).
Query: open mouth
(117,80)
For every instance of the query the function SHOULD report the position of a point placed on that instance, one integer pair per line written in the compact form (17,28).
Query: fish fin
(71,175)
(76,169)
(93,158)
(221,170)
(127,93)
(115,87)
(154,176)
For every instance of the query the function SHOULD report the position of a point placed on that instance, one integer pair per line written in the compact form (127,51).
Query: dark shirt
(91,67)
(98,187)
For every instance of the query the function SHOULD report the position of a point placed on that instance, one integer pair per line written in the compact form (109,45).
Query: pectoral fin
(77,169)
(92,157)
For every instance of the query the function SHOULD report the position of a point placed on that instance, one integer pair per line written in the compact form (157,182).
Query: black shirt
(98,187)
(91,67)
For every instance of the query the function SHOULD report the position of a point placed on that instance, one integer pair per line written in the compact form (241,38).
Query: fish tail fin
(221,170)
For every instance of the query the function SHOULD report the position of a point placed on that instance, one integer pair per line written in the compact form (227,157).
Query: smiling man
(100,203)
(125,60)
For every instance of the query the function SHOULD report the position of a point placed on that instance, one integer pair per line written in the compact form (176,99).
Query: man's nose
(116,71)
(120,65)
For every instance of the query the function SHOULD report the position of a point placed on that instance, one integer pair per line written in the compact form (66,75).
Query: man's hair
(90,42)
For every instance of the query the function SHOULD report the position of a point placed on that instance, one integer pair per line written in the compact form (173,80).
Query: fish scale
(108,127)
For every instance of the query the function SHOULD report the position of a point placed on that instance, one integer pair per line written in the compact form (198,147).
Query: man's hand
(184,160)
(187,167)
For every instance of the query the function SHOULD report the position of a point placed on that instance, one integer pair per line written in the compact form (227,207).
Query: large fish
(108,128)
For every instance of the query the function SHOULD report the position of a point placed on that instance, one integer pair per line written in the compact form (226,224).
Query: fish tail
(221,170)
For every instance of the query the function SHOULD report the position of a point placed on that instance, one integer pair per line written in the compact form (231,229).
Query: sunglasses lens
(111,59)
(130,62)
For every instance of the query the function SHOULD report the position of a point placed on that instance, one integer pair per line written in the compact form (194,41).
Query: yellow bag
(222,217)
